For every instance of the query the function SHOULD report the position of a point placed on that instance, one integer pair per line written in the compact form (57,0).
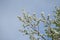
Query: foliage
(57,23)
(31,25)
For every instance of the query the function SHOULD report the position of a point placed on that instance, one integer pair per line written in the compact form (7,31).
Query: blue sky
(10,9)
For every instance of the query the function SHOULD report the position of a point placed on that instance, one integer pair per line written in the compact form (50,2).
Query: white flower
(48,14)
(56,32)
(42,13)
(50,19)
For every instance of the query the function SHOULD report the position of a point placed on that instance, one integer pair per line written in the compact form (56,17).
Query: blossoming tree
(31,25)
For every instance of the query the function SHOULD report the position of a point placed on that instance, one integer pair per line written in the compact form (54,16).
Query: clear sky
(10,9)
